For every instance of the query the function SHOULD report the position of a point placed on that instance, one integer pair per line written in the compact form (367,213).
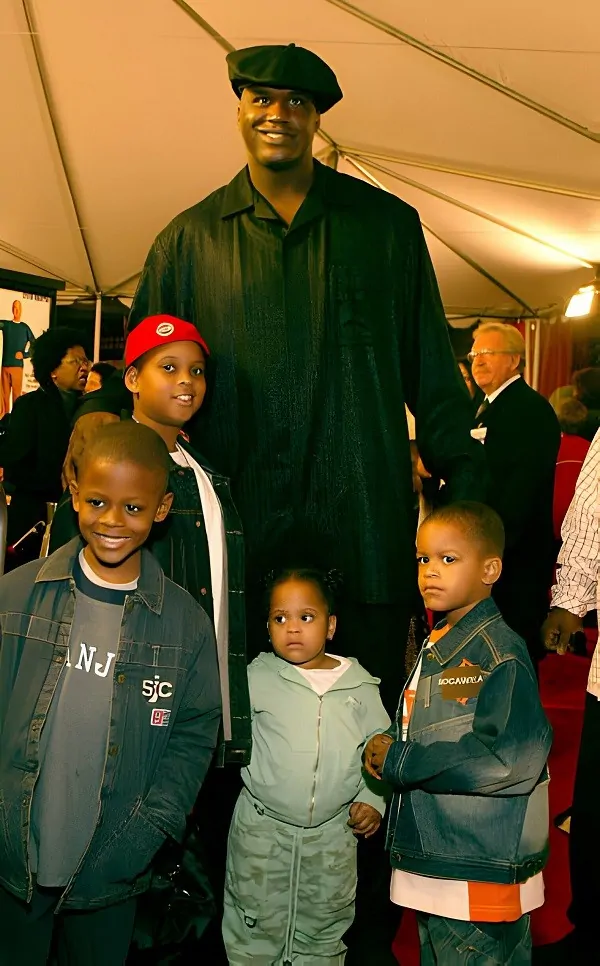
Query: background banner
(23,316)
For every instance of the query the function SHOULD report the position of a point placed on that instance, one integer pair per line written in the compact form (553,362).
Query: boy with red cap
(200,545)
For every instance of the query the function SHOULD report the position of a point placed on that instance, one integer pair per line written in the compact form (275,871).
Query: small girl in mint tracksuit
(291,859)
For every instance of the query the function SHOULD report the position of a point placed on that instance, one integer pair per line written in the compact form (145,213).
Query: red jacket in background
(572,453)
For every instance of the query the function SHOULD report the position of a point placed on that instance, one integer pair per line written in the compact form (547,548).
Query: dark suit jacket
(33,449)
(521,448)
(32,452)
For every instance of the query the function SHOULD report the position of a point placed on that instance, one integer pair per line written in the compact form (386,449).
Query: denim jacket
(471,782)
(151,774)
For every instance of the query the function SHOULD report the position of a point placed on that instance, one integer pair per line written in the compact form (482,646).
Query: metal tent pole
(97,326)
(527,372)
(3,523)
(537,330)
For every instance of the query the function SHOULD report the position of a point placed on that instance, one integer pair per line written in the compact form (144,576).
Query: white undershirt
(95,579)
(217,554)
(321,679)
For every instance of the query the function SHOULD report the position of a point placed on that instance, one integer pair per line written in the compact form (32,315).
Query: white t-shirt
(323,678)
(217,553)
(95,579)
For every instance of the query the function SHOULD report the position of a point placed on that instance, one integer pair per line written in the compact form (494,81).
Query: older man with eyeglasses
(521,437)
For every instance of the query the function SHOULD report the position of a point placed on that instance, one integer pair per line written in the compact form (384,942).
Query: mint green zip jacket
(306,750)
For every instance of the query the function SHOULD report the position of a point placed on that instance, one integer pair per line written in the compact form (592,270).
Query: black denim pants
(585,881)
(30,932)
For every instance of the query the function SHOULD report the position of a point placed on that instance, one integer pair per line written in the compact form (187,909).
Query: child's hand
(375,752)
(364,819)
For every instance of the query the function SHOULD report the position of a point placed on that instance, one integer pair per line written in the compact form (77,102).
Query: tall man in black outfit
(318,299)
(521,437)
(317,296)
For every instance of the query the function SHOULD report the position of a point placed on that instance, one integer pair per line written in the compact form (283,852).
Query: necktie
(485,405)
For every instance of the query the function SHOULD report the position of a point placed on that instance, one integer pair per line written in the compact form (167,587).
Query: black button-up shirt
(319,333)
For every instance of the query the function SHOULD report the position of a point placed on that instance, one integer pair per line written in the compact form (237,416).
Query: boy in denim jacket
(109,713)
(468,831)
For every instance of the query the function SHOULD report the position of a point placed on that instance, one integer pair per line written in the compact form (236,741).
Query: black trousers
(376,635)
(585,881)
(28,933)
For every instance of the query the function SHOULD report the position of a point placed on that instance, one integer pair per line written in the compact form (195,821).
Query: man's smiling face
(278,126)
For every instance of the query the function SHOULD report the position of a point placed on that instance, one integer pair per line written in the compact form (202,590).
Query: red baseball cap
(160,330)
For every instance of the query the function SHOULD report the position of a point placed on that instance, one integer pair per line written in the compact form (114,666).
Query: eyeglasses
(80,362)
(489,352)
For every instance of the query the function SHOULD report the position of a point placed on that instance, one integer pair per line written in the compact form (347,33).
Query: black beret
(287,68)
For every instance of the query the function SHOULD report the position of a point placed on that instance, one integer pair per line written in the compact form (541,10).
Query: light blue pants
(289,891)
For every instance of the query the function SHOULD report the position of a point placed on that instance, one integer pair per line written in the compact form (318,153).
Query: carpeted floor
(562,686)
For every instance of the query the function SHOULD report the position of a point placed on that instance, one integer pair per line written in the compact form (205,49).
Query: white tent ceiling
(486,117)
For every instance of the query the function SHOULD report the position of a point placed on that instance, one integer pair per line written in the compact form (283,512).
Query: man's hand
(419,473)
(375,752)
(558,629)
(85,428)
(364,819)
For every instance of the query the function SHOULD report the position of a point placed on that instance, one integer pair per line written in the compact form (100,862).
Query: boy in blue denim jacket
(109,713)
(468,830)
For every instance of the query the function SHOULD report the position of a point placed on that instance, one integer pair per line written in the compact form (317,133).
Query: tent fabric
(116,116)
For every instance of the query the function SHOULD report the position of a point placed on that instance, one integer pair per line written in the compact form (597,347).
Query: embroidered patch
(461,683)
(155,689)
(160,717)
(165,329)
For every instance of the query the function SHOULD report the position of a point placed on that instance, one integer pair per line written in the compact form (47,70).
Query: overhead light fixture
(585,303)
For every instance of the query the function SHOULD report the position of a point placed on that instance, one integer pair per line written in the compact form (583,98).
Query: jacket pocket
(449,729)
(129,852)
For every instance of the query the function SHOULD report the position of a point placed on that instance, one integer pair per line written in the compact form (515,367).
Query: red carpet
(562,685)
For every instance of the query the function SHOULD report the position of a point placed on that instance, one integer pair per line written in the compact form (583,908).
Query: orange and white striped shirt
(457,898)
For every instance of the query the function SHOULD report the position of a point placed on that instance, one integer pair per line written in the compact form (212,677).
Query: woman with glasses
(33,448)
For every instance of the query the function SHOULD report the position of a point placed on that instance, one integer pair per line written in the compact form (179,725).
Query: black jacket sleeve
(157,291)
(17,446)
(435,391)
